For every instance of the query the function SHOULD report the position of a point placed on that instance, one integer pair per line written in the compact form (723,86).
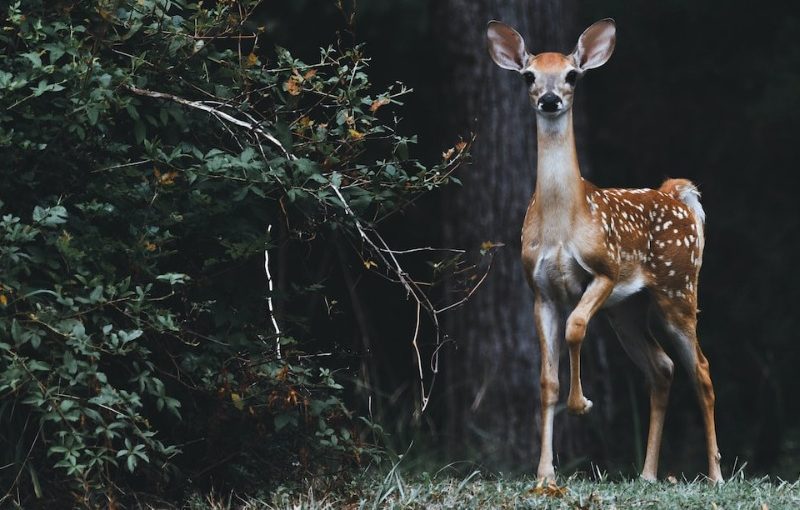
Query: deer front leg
(592,299)
(548,328)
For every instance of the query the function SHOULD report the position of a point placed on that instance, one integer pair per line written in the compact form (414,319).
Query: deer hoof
(648,477)
(581,405)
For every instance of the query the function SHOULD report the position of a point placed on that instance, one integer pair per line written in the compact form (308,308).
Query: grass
(479,492)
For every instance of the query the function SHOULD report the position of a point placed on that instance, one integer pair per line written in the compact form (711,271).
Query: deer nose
(549,102)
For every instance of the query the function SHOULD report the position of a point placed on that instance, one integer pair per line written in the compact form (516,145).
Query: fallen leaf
(671,479)
(551,490)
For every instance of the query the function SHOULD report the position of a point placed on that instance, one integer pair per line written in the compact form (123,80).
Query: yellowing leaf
(252,59)
(3,299)
(292,86)
(382,101)
(165,179)
(304,123)
(488,245)
(355,134)
(237,401)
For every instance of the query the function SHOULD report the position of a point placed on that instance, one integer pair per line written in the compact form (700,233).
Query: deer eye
(572,77)
(529,77)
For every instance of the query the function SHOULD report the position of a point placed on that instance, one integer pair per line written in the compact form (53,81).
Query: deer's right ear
(506,46)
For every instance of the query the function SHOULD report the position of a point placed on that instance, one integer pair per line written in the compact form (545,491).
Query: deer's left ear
(595,45)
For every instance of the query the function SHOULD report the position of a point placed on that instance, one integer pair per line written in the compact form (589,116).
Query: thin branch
(204,106)
(471,292)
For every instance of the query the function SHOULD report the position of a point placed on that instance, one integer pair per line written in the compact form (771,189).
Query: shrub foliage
(151,154)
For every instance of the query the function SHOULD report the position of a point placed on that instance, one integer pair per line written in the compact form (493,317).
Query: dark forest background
(704,90)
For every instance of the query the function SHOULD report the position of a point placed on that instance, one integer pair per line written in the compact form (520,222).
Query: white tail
(628,251)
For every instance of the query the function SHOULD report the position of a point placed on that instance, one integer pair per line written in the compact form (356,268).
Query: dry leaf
(292,86)
(460,146)
(551,490)
(671,479)
(310,74)
(165,179)
(149,246)
(304,123)
(252,60)
(381,101)
(446,155)
(369,264)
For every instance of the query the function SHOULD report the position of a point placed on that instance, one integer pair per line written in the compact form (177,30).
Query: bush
(152,157)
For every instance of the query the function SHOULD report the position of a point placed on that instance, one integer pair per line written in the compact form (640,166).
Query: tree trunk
(493,374)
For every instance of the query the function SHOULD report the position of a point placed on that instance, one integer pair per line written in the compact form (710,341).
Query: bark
(493,374)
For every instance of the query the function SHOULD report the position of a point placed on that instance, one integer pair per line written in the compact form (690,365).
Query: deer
(633,255)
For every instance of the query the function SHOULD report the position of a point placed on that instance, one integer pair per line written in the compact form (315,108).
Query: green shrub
(146,148)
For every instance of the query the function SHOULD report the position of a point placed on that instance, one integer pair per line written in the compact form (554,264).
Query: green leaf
(34,58)
(49,216)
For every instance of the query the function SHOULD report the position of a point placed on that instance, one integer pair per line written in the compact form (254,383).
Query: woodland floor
(475,491)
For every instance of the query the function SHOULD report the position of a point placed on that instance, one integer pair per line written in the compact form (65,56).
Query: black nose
(549,102)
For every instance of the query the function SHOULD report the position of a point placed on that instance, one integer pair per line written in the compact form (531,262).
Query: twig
(203,105)
(471,292)
(411,287)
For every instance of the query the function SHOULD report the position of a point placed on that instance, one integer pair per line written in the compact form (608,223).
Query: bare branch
(204,106)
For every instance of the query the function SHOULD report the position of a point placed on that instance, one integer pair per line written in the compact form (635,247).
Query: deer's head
(551,77)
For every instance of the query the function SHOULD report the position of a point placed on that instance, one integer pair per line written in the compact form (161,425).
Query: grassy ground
(475,491)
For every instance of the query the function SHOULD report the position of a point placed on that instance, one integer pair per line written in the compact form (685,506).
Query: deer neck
(559,194)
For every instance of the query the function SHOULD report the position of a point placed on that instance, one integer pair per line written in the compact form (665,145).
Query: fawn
(636,253)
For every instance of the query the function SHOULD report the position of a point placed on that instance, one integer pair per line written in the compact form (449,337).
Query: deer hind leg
(630,321)
(681,326)
(548,327)
(593,298)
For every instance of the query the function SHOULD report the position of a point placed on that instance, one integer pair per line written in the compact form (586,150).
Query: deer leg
(629,320)
(681,325)
(594,296)
(547,327)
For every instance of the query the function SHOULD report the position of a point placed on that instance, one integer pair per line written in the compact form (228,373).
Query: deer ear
(595,45)
(506,46)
